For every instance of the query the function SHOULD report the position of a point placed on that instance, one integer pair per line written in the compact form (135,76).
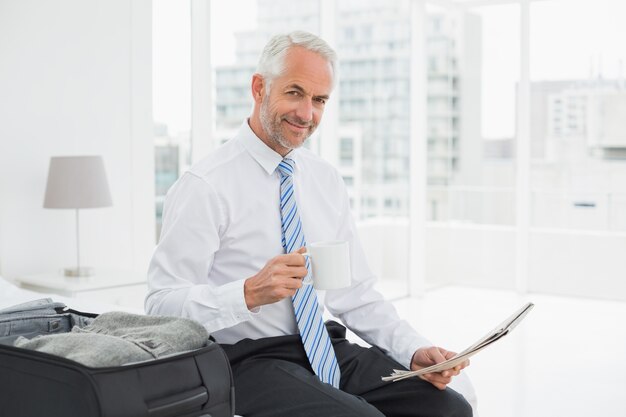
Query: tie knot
(285,167)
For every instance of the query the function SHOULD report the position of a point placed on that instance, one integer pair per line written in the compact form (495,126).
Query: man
(230,256)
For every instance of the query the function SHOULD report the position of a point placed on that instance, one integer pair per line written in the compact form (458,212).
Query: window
(474,116)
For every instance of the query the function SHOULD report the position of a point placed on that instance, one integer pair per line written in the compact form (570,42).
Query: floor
(567,358)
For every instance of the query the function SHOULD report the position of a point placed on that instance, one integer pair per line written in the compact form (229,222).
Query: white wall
(578,263)
(481,256)
(75,79)
(385,242)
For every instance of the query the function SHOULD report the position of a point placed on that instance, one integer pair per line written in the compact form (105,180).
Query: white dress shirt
(221,224)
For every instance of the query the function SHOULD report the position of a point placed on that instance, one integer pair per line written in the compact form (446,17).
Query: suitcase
(37,384)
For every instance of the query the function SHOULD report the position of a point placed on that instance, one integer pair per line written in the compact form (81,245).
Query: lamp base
(78,272)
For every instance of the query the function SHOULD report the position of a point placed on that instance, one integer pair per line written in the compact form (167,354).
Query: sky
(569,39)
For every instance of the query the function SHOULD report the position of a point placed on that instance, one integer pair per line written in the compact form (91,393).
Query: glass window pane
(171,89)
(472,59)
(579,104)
(374,47)
(578,138)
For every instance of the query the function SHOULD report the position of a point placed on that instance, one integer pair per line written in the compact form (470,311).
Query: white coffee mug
(330,264)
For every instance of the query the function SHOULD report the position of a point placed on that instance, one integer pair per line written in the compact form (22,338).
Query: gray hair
(272,61)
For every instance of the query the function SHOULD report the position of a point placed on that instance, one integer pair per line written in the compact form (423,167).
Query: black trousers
(273,377)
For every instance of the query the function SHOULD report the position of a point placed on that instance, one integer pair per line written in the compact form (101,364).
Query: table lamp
(77,182)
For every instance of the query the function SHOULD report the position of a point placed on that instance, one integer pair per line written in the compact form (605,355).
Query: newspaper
(497,333)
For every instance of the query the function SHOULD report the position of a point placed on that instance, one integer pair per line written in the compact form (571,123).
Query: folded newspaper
(500,331)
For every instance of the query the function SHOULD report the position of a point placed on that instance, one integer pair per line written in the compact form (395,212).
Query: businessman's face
(294,106)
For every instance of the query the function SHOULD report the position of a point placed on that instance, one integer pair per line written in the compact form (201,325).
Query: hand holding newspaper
(500,331)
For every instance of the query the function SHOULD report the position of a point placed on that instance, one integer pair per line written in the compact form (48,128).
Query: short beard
(272,127)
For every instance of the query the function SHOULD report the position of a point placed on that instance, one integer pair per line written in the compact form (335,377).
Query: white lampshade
(77,182)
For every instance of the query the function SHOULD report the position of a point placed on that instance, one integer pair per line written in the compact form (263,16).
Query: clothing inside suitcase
(32,383)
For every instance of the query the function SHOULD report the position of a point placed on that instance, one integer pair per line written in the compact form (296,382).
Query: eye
(294,93)
(321,100)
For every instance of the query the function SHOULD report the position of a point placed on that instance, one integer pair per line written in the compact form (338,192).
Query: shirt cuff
(233,299)
(408,349)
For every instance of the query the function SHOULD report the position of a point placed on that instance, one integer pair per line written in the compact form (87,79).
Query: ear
(258,88)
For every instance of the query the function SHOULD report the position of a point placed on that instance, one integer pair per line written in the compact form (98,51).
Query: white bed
(11,294)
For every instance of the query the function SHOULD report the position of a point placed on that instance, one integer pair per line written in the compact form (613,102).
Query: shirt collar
(263,154)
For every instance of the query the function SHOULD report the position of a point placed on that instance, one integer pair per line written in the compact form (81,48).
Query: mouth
(297,127)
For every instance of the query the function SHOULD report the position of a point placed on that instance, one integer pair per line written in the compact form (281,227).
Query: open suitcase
(36,384)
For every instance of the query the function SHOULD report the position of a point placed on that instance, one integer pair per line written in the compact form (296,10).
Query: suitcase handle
(176,404)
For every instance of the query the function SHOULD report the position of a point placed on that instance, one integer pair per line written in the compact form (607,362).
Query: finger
(436,377)
(298,272)
(461,366)
(302,251)
(288,292)
(437,384)
(292,283)
(295,258)
(436,355)
(293,286)
(450,372)
(439,379)
(448,354)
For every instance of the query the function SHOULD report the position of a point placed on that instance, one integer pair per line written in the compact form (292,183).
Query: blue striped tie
(312,330)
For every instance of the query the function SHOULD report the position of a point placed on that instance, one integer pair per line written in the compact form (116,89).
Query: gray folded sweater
(118,338)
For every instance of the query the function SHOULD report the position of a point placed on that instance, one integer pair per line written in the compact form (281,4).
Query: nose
(305,110)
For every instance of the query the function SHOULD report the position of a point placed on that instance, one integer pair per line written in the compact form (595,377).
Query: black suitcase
(190,384)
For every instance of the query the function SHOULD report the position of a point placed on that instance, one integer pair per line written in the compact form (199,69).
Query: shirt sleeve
(363,309)
(193,220)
